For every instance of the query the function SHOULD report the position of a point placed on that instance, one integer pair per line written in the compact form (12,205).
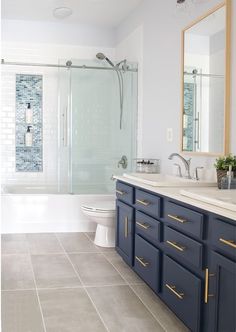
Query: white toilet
(102,212)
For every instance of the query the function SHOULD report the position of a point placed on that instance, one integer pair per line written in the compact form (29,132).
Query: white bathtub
(36,209)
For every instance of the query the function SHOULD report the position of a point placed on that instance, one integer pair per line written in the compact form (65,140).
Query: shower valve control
(123,162)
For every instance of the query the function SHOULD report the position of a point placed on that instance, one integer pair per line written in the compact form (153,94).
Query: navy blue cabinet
(147,262)
(124,231)
(182,293)
(221,294)
(185,254)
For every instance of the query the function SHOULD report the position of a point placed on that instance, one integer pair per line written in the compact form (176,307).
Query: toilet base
(105,236)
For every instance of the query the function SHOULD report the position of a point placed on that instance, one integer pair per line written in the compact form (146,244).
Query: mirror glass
(204,84)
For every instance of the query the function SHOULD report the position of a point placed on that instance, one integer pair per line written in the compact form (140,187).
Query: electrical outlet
(169,134)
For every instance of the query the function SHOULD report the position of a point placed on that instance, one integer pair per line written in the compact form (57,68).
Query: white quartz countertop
(174,193)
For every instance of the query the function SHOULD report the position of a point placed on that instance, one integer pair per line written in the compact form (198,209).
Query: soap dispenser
(28,114)
(28,137)
(228,181)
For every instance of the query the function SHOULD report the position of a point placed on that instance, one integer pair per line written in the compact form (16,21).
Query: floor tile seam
(15,253)
(98,248)
(122,276)
(37,294)
(60,288)
(129,285)
(18,289)
(146,306)
(76,272)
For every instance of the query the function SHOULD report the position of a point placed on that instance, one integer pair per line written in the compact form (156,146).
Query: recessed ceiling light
(62,12)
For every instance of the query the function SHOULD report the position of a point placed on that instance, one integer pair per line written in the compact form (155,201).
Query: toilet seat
(100,207)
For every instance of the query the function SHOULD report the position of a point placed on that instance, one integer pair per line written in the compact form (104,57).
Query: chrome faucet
(123,162)
(185,162)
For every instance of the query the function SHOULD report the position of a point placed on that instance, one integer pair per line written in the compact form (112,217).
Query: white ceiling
(103,13)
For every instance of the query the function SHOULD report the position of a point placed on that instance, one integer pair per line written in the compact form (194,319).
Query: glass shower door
(95,142)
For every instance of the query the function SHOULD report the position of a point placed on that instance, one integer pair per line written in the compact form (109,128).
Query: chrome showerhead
(102,56)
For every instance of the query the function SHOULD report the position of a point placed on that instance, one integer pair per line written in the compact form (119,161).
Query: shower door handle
(64,138)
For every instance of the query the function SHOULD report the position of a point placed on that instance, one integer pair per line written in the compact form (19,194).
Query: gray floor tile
(130,276)
(166,318)
(69,310)
(14,244)
(20,312)
(17,272)
(43,244)
(122,310)
(95,270)
(76,242)
(53,271)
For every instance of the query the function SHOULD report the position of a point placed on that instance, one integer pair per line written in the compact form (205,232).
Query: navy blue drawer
(182,293)
(148,203)
(147,263)
(223,236)
(147,227)
(181,246)
(184,219)
(125,192)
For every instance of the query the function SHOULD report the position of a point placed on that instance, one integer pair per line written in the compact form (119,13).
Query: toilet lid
(102,206)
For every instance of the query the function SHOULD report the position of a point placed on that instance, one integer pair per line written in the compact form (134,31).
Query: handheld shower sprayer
(102,56)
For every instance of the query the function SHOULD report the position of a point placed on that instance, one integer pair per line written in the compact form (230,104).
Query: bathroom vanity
(185,250)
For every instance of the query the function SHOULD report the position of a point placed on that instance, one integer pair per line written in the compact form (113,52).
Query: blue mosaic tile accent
(29,90)
(188,110)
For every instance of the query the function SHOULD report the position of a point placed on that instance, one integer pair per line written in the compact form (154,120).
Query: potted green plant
(222,166)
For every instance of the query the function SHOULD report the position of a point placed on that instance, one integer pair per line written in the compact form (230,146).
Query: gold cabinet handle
(176,218)
(145,226)
(230,243)
(122,193)
(176,246)
(207,276)
(126,227)
(140,260)
(145,203)
(173,290)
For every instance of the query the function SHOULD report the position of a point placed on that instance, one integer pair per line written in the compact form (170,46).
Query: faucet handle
(179,169)
(196,176)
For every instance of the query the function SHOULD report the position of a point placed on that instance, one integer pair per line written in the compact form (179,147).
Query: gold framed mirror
(205,93)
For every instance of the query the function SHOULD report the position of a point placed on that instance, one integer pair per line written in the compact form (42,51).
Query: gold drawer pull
(140,260)
(145,203)
(176,218)
(172,289)
(122,193)
(207,276)
(126,227)
(176,246)
(230,243)
(145,226)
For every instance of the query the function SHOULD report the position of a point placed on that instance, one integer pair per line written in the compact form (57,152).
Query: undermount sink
(221,198)
(163,180)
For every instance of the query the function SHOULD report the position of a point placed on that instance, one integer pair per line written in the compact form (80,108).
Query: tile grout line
(126,282)
(130,286)
(78,276)
(146,306)
(37,294)
(122,276)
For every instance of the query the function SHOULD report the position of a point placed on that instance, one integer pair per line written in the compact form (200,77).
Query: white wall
(131,48)
(56,33)
(162,72)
